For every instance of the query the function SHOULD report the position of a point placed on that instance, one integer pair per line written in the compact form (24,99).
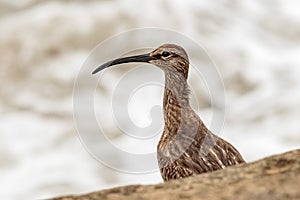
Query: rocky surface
(275,177)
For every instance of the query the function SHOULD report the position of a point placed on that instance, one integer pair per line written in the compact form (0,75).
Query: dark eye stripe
(157,56)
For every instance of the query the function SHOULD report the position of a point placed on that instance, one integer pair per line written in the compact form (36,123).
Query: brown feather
(186,147)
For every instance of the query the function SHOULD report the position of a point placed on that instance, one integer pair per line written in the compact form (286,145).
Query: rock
(276,177)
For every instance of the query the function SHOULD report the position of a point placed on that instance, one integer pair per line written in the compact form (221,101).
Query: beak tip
(96,71)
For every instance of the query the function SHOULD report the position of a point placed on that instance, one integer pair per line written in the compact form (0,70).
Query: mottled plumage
(186,147)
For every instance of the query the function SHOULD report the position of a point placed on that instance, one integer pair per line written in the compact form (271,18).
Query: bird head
(170,58)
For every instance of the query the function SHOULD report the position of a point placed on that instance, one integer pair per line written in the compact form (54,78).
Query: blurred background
(43,44)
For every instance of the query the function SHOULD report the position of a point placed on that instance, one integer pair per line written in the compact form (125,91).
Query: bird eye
(165,54)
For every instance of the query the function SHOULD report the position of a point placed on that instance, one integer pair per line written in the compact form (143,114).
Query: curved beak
(139,58)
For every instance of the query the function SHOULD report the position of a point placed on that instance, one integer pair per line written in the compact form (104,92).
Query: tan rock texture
(275,177)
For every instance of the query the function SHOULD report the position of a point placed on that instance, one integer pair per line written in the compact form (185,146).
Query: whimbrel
(187,147)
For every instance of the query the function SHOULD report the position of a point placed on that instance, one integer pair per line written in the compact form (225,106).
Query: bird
(187,147)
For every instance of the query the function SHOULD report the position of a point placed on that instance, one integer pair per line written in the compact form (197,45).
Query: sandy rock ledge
(275,177)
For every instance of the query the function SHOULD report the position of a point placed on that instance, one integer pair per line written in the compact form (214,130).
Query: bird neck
(180,119)
(176,97)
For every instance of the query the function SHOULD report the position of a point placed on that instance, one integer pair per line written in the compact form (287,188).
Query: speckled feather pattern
(186,147)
